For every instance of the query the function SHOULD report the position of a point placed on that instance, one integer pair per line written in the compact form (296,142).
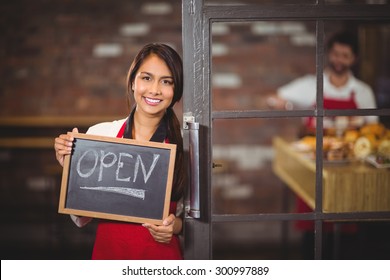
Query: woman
(155,80)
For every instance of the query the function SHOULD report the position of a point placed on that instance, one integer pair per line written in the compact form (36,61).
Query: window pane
(368,2)
(245,155)
(242,2)
(257,241)
(250,61)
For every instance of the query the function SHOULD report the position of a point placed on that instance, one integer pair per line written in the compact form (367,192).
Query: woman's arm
(63,146)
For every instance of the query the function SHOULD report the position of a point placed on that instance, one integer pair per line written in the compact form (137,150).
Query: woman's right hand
(63,146)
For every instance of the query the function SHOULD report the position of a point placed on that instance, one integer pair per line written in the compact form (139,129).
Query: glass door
(240,204)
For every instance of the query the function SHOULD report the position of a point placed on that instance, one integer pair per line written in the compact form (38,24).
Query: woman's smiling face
(153,86)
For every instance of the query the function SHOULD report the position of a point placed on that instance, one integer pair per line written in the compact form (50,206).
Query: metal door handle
(194,210)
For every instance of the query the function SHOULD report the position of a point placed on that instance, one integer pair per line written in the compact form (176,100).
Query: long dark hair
(175,65)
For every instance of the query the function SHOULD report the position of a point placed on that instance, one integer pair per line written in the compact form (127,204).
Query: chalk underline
(137,193)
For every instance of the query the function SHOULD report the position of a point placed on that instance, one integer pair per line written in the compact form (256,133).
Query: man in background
(342,90)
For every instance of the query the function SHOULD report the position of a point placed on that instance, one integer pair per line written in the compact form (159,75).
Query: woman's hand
(63,146)
(171,225)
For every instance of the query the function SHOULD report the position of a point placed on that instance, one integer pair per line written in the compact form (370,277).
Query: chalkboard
(117,179)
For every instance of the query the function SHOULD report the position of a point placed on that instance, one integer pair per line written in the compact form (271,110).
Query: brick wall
(71,57)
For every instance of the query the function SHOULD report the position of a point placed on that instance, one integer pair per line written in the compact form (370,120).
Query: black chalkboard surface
(118,179)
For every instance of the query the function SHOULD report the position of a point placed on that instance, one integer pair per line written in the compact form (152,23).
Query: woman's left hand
(171,225)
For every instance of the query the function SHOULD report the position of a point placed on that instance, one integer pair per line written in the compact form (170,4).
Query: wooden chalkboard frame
(163,186)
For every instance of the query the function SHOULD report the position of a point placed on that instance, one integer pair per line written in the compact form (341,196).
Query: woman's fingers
(164,232)
(63,146)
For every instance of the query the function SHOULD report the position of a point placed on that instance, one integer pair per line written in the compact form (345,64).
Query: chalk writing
(139,162)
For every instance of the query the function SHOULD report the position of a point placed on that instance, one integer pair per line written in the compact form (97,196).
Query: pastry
(363,147)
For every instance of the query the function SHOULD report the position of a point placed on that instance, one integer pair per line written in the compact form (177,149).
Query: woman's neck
(144,126)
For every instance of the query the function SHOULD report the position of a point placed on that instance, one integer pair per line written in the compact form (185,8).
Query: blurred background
(63,64)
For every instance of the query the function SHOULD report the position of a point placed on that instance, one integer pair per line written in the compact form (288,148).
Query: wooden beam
(27,143)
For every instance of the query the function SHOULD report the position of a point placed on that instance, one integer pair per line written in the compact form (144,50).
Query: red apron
(302,207)
(131,241)
(334,104)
